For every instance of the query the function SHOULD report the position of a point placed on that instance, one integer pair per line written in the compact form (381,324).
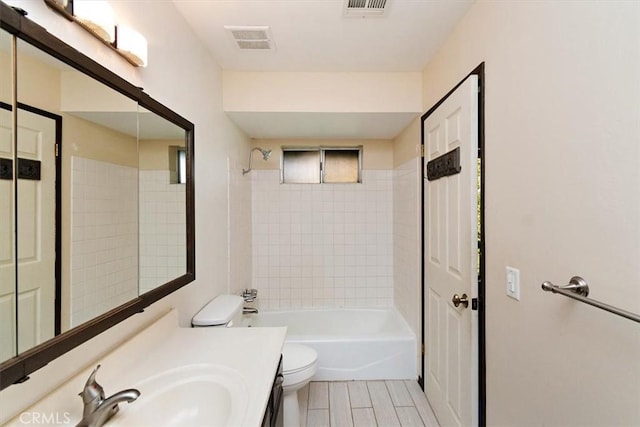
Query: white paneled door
(36,231)
(7,247)
(450,260)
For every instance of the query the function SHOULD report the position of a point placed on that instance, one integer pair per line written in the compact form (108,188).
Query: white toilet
(299,361)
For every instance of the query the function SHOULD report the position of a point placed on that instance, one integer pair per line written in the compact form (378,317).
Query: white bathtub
(352,344)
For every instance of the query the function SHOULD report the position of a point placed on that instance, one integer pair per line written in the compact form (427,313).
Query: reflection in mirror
(36,227)
(162,201)
(8,331)
(79,206)
(82,214)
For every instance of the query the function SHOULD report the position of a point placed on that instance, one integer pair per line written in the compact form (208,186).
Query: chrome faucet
(249,295)
(98,410)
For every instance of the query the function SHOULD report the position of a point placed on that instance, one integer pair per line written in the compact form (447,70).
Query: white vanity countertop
(250,353)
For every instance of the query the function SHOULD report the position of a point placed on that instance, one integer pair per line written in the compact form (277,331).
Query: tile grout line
(353,421)
(395,409)
(366,385)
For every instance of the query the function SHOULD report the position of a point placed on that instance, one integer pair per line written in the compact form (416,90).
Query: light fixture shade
(133,45)
(98,16)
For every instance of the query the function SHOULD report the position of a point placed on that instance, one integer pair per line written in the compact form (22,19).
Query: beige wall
(154,153)
(38,82)
(406,146)
(377,154)
(82,138)
(562,199)
(322,92)
(74,87)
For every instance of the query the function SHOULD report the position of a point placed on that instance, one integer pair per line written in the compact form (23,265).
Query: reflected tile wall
(162,229)
(104,237)
(323,245)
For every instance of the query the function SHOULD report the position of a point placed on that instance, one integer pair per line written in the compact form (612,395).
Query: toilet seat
(296,357)
(299,364)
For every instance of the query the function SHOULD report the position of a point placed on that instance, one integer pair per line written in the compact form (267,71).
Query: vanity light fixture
(132,45)
(98,18)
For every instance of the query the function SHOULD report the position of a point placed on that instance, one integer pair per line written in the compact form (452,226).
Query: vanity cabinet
(273,414)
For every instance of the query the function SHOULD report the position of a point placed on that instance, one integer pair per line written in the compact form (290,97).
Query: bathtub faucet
(97,409)
(249,310)
(249,295)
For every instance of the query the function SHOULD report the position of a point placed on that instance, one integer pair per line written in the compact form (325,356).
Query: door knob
(457,300)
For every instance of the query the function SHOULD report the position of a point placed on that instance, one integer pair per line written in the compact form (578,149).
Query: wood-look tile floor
(364,404)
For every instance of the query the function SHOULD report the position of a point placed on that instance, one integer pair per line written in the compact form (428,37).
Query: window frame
(321,150)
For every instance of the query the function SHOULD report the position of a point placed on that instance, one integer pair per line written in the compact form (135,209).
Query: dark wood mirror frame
(18,368)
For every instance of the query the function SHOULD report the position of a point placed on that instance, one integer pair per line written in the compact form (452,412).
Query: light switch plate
(513,283)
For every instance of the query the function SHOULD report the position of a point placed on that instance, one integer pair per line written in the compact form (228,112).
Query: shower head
(265,153)
(265,156)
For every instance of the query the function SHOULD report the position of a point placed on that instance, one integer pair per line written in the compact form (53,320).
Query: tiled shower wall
(406,241)
(104,239)
(322,245)
(162,229)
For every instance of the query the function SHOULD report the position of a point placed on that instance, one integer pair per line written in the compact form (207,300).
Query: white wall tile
(104,246)
(322,245)
(162,230)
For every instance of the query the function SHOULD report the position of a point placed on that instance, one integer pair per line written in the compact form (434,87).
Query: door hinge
(56,149)
(422,348)
(422,150)
(474,304)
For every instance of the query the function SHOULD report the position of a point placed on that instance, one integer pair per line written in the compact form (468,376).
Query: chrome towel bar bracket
(577,284)
(579,290)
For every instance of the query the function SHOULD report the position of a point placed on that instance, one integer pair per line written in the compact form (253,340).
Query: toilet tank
(220,311)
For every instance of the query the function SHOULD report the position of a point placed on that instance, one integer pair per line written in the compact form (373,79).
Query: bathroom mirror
(101,230)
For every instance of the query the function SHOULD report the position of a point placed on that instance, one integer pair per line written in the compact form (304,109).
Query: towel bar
(578,290)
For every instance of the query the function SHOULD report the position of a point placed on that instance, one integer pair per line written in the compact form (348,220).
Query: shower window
(301,166)
(321,165)
(177,165)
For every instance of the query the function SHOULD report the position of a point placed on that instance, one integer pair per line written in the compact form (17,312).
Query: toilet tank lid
(218,311)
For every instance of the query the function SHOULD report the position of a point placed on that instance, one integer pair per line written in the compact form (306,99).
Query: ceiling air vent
(251,38)
(365,8)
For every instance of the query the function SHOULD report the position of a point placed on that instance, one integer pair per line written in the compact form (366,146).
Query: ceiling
(315,35)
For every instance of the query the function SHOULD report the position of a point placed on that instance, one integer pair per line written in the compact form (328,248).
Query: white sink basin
(191,395)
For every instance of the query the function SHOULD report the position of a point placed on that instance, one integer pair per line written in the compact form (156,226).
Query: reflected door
(36,224)
(7,242)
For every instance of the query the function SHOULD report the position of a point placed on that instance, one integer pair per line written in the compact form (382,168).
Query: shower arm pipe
(265,156)
(246,171)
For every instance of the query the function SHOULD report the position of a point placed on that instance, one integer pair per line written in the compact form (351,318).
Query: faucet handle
(250,294)
(92,390)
